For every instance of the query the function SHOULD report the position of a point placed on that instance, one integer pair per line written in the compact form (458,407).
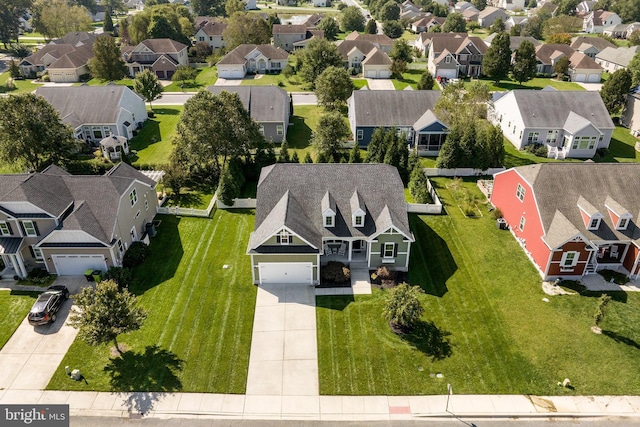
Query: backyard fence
(461,171)
(177,210)
(434,208)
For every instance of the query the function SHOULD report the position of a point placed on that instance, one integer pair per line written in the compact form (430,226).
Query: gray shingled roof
(551,109)
(621,56)
(237,55)
(291,195)
(597,42)
(558,188)
(85,104)
(391,107)
(266,104)
(163,45)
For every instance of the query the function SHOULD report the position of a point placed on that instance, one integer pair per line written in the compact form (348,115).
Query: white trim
(284,227)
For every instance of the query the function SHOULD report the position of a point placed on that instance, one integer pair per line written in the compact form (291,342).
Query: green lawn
(206,77)
(96,82)
(197,335)
(305,120)
(535,83)
(360,83)
(153,143)
(198,198)
(411,78)
(14,306)
(485,328)
(21,86)
(293,84)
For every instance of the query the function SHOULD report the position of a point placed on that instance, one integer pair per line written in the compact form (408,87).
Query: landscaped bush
(136,254)
(614,276)
(497,213)
(121,275)
(335,272)
(37,277)
(539,150)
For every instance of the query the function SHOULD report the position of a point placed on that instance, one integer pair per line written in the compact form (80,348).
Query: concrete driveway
(380,84)
(31,356)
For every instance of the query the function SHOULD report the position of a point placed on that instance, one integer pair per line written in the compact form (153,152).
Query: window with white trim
(359,221)
(29,228)
(37,254)
(522,222)
(447,60)
(594,223)
(328,221)
(569,259)
(5,230)
(520,192)
(533,137)
(623,223)
(120,247)
(284,238)
(133,197)
(262,129)
(359,134)
(389,250)
(280,130)
(552,136)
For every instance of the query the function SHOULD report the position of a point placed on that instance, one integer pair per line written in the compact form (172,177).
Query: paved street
(179,98)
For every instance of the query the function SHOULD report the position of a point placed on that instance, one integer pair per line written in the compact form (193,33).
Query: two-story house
(288,36)
(67,223)
(568,123)
(509,4)
(161,56)
(455,56)
(597,20)
(581,67)
(209,30)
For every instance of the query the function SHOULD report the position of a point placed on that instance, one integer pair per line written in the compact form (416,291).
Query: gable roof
(378,39)
(85,104)
(238,55)
(559,186)
(163,45)
(514,41)
(597,42)
(545,52)
(390,107)
(377,57)
(346,46)
(212,27)
(620,56)
(55,50)
(74,59)
(490,10)
(597,16)
(265,104)
(289,29)
(581,61)
(77,38)
(457,44)
(297,203)
(551,109)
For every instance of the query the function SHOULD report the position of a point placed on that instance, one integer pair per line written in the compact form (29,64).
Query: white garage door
(580,78)
(76,265)
(594,78)
(371,74)
(230,73)
(384,74)
(279,272)
(450,74)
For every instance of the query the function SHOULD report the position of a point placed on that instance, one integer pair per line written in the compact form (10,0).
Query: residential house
(161,56)
(616,31)
(65,59)
(409,5)
(586,6)
(411,15)
(455,56)
(313,20)
(99,14)
(516,21)
(426,23)
(569,123)
(251,58)
(381,41)
(490,14)
(597,20)
(509,4)
(547,7)
(95,112)
(312,34)
(470,15)
(67,223)
(631,113)
(321,3)
(573,219)
(355,53)
(353,213)
(463,5)
(285,36)
(590,46)
(269,106)
(515,41)
(631,28)
(211,31)
(423,41)
(581,67)
(616,58)
(410,112)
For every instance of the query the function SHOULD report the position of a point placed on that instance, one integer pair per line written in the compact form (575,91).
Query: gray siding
(400,259)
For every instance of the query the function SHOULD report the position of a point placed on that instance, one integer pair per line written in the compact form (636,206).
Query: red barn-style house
(573,219)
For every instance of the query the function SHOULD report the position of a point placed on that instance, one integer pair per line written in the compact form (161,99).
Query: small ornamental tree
(108,22)
(147,86)
(426,81)
(418,186)
(354,154)
(403,307)
(560,67)
(283,157)
(330,133)
(228,190)
(371,27)
(106,312)
(598,316)
(184,73)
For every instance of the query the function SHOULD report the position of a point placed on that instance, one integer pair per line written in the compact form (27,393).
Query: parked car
(47,305)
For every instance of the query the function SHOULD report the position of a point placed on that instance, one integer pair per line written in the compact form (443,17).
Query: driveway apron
(284,356)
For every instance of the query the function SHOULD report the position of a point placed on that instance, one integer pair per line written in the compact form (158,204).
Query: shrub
(539,150)
(336,272)
(403,307)
(38,275)
(121,275)
(136,254)
(602,152)
(497,213)
(383,273)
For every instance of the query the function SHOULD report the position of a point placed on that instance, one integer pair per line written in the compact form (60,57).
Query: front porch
(609,256)
(12,263)
(345,251)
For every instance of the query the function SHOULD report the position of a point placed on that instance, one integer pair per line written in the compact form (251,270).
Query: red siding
(630,258)
(504,197)
(585,218)
(578,269)
(614,218)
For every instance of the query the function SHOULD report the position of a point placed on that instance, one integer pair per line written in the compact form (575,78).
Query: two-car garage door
(76,265)
(279,272)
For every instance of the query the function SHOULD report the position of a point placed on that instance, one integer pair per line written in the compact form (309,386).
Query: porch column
(22,269)
(350,248)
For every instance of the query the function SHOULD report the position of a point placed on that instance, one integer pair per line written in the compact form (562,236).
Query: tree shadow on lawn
(618,148)
(430,340)
(618,296)
(155,371)
(299,135)
(621,339)
(334,302)
(431,261)
(165,257)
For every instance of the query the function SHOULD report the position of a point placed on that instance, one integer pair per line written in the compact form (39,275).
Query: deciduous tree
(480,4)
(244,28)
(233,6)
(455,23)
(497,27)
(634,67)
(389,12)
(561,24)
(352,19)
(55,18)
(403,307)
(614,91)
(42,138)
(147,85)
(208,7)
(524,64)
(333,87)
(331,132)
(371,27)
(634,38)
(106,312)
(401,50)
(463,104)
(184,73)
(426,81)
(318,55)
(330,27)
(561,66)
(533,28)
(628,10)
(392,29)
(497,61)
(10,13)
(107,63)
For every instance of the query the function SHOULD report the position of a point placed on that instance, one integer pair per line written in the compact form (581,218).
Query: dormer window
(328,210)
(328,221)
(622,224)
(359,221)
(284,238)
(358,210)
(594,223)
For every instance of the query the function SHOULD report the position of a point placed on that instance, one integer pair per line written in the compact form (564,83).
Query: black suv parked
(47,305)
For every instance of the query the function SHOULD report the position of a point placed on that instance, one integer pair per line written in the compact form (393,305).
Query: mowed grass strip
(199,313)
(153,143)
(14,306)
(485,329)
